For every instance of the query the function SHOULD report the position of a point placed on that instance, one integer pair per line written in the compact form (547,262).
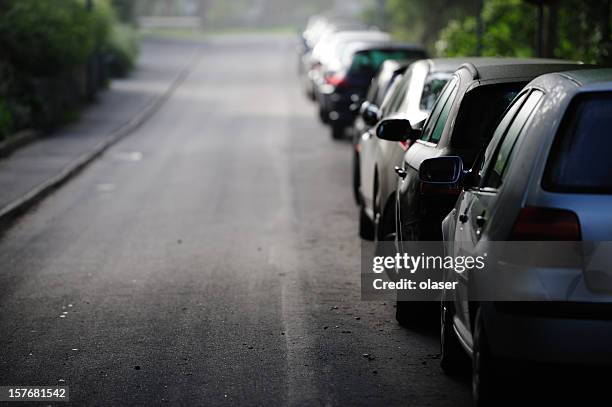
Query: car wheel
(484,372)
(452,356)
(366,226)
(337,132)
(410,313)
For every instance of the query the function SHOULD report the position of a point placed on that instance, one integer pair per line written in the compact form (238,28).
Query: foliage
(125,10)
(6,119)
(421,20)
(509,31)
(48,48)
(45,37)
(122,49)
(580,28)
(584,31)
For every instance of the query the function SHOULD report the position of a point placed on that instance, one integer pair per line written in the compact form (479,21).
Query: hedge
(46,46)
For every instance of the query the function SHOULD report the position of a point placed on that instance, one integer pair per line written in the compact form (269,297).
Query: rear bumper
(338,105)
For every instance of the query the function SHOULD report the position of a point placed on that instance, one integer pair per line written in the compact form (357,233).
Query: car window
(399,93)
(441,123)
(580,158)
(384,87)
(434,83)
(504,153)
(485,158)
(388,94)
(479,114)
(437,109)
(373,90)
(380,84)
(371,60)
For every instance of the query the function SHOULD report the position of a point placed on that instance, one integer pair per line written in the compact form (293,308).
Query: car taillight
(336,80)
(546,224)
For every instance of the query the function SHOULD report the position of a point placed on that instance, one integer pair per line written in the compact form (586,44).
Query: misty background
(216,14)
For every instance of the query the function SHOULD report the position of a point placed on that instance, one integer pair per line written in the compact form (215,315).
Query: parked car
(412,99)
(387,77)
(460,124)
(348,77)
(332,43)
(546,175)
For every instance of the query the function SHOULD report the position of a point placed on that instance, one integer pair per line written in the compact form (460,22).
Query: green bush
(582,31)
(6,120)
(46,47)
(45,37)
(121,49)
(509,31)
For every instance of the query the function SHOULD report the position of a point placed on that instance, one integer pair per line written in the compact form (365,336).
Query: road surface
(211,258)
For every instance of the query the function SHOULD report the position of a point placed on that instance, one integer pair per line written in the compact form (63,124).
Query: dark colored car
(461,123)
(350,76)
(324,58)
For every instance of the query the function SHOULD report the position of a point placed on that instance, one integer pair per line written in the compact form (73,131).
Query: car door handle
(463,218)
(401,172)
(480,221)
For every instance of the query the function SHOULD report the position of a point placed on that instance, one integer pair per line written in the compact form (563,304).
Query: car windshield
(580,158)
(480,113)
(371,60)
(433,86)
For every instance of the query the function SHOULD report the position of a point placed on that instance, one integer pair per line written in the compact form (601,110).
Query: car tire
(337,132)
(453,358)
(366,226)
(484,367)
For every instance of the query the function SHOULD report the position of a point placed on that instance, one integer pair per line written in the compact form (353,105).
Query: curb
(16,141)
(18,207)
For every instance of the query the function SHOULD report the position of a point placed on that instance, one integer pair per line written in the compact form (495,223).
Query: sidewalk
(30,172)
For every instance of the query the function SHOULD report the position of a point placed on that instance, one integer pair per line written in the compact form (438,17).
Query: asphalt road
(211,258)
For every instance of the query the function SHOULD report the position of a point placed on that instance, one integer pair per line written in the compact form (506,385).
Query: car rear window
(371,60)
(480,113)
(580,158)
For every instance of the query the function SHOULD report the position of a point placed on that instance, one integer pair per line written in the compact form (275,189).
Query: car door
(424,148)
(476,203)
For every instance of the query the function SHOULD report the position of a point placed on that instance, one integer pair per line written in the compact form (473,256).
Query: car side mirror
(369,113)
(441,170)
(396,130)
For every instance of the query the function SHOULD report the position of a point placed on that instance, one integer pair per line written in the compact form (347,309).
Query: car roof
(572,81)
(446,64)
(588,77)
(485,69)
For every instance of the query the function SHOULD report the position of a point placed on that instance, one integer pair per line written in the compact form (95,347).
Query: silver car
(545,178)
(411,98)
